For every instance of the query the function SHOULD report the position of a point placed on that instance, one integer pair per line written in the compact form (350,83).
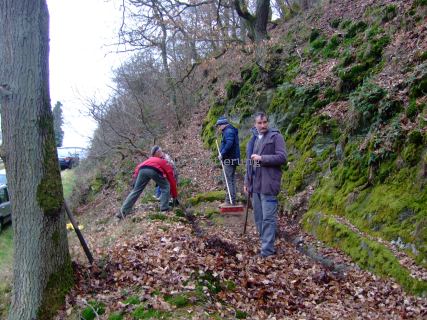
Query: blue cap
(221,120)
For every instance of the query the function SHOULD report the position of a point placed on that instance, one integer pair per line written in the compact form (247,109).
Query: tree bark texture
(256,25)
(41,256)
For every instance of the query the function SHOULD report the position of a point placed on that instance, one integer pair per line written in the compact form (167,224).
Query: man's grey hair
(261,115)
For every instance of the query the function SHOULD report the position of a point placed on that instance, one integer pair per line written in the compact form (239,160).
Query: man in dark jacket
(161,172)
(267,153)
(230,155)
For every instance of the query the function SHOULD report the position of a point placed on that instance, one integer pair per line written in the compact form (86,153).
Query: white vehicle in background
(70,157)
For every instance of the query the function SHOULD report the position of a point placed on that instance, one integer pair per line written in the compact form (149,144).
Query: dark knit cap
(221,120)
(154,150)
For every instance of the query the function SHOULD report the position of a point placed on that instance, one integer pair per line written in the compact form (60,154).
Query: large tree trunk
(256,25)
(42,272)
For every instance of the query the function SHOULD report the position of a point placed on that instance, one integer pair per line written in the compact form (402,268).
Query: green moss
(330,50)
(115,316)
(149,313)
(97,183)
(365,100)
(290,102)
(389,13)
(91,312)
(423,56)
(335,23)
(49,191)
(353,76)
(229,285)
(57,287)
(368,254)
(207,197)
(318,44)
(178,300)
(345,24)
(415,137)
(208,128)
(132,300)
(413,109)
(411,154)
(232,88)
(420,3)
(241,314)
(157,216)
(315,33)
(284,70)
(377,209)
(419,87)
(388,109)
(354,28)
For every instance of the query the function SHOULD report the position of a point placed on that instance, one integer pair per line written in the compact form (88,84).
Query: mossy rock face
(283,70)
(368,254)
(365,101)
(378,209)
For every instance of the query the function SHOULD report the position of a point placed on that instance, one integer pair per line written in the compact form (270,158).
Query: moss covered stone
(367,253)
(207,197)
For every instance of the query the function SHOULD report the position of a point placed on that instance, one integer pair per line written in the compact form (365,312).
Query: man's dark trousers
(144,176)
(230,173)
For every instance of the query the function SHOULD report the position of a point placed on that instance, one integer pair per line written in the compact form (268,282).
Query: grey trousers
(144,176)
(230,173)
(265,213)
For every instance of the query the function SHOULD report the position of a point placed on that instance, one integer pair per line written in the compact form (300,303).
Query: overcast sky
(81,34)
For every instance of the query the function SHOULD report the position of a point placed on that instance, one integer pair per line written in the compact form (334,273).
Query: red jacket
(163,166)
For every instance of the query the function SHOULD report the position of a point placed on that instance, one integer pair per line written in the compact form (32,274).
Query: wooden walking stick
(79,234)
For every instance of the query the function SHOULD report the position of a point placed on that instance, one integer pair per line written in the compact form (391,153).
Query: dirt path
(156,260)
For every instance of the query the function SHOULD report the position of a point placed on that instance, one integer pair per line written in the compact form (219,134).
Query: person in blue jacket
(229,155)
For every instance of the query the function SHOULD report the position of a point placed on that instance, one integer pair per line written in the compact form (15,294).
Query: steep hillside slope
(346,85)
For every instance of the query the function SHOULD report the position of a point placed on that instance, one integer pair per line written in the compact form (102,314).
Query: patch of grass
(68,182)
(5,296)
(115,316)
(6,249)
(91,311)
(132,300)
(6,262)
(241,314)
(157,216)
(178,300)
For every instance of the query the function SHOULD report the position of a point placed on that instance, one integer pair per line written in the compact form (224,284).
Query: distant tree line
(169,38)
